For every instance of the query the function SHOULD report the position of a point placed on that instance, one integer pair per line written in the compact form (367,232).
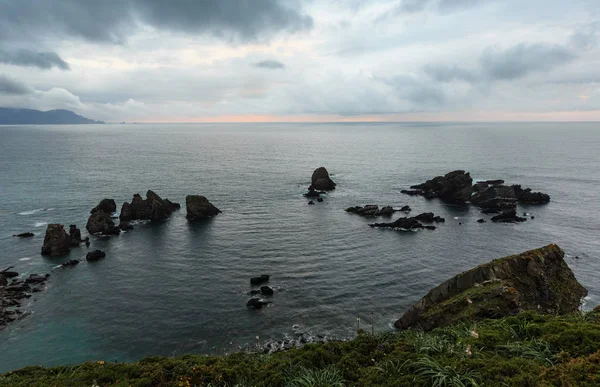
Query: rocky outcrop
(198,207)
(151,208)
(527,196)
(95,255)
(100,222)
(537,280)
(107,205)
(508,216)
(494,196)
(24,235)
(429,217)
(13,293)
(321,181)
(56,241)
(401,224)
(454,187)
(260,280)
(312,193)
(371,210)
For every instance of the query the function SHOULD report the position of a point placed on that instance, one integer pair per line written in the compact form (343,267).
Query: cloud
(28,58)
(586,37)
(115,20)
(449,73)
(523,59)
(10,86)
(270,64)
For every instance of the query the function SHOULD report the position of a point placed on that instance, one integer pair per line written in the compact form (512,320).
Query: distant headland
(12,116)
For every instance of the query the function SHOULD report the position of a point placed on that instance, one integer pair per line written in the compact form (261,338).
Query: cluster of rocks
(257,302)
(538,280)
(58,242)
(492,196)
(13,291)
(412,223)
(152,208)
(320,183)
(373,210)
(297,340)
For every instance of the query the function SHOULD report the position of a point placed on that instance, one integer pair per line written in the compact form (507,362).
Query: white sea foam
(31,212)
(25,259)
(40,224)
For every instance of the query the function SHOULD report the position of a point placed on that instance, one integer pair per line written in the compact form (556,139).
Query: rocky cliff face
(534,280)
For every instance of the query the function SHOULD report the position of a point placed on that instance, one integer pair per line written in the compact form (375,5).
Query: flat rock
(24,235)
(95,255)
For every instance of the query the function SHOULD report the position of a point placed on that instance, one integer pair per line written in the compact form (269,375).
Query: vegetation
(524,350)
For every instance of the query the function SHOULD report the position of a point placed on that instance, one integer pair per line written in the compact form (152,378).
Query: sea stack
(538,280)
(198,207)
(152,208)
(57,241)
(321,181)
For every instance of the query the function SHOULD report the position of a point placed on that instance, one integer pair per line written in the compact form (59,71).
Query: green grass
(523,350)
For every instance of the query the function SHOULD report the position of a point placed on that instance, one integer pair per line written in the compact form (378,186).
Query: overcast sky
(311,60)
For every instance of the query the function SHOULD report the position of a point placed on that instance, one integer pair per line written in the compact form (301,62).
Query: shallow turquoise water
(175,287)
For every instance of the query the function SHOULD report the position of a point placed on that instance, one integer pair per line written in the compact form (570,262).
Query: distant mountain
(10,116)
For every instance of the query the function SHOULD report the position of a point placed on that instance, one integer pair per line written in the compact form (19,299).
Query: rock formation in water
(453,187)
(100,222)
(56,241)
(107,205)
(198,207)
(508,216)
(371,210)
(13,293)
(95,255)
(321,181)
(151,208)
(537,280)
(24,235)
(529,197)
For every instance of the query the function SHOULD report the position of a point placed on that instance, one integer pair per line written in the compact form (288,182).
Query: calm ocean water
(174,287)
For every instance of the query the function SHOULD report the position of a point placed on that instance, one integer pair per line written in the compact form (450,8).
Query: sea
(175,287)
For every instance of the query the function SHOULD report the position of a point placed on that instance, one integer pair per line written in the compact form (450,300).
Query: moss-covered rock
(534,280)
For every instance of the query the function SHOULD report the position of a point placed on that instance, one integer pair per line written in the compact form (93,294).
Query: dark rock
(24,235)
(508,216)
(481,221)
(425,217)
(537,280)
(311,203)
(260,280)
(9,274)
(529,197)
(438,219)
(125,226)
(312,193)
(70,263)
(266,290)
(371,210)
(106,205)
(532,217)
(401,224)
(100,222)
(35,278)
(405,209)
(20,287)
(491,211)
(56,241)
(320,200)
(497,196)
(321,181)
(429,227)
(95,255)
(413,192)
(256,303)
(151,208)
(75,234)
(3,280)
(491,182)
(454,187)
(254,292)
(198,207)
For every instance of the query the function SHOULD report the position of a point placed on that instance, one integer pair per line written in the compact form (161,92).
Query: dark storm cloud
(449,73)
(28,58)
(13,87)
(114,20)
(270,64)
(523,59)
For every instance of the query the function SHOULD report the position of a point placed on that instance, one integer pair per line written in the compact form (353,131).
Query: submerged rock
(537,280)
(527,196)
(151,208)
(266,290)
(24,235)
(56,241)
(312,193)
(260,280)
(321,181)
(454,187)
(256,303)
(70,263)
(198,207)
(371,210)
(508,216)
(95,255)
(405,209)
(107,205)
(125,226)
(401,224)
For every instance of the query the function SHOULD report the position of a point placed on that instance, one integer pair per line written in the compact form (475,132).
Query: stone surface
(321,181)
(534,280)
(151,208)
(95,255)
(260,280)
(198,207)
(371,210)
(24,235)
(401,224)
(454,187)
(107,205)
(100,222)
(508,216)
(56,241)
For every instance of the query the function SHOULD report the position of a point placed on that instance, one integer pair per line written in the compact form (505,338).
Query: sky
(303,60)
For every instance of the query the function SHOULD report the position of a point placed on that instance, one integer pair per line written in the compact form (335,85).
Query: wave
(31,212)
(40,224)
(25,259)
